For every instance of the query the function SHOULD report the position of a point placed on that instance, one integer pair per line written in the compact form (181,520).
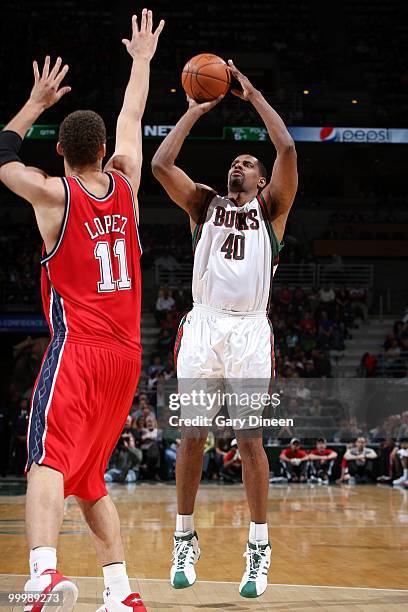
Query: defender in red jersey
(91,290)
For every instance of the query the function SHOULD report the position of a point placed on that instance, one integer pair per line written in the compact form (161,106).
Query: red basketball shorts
(79,405)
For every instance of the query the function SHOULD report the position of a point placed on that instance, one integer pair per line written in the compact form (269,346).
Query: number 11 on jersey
(107,282)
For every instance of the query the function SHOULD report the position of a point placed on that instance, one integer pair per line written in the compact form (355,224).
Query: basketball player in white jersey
(236,243)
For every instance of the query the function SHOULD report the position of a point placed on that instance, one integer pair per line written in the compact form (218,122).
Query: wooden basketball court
(334,548)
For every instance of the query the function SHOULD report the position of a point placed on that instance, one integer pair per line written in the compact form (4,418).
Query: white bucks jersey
(235,256)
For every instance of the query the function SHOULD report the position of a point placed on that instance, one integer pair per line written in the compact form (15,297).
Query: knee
(250,449)
(192,445)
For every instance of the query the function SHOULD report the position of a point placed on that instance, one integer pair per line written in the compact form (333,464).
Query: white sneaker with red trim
(51,583)
(133,602)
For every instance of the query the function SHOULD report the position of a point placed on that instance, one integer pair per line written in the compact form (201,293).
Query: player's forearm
(25,118)
(277,130)
(169,149)
(137,89)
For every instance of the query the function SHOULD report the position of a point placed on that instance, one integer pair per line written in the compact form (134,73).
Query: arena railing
(299,274)
(357,275)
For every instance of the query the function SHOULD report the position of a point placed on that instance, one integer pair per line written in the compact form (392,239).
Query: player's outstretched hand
(144,40)
(46,90)
(203,107)
(247,88)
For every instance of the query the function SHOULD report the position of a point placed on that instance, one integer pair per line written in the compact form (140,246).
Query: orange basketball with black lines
(205,77)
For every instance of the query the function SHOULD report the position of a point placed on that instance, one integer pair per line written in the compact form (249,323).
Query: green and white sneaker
(186,553)
(255,578)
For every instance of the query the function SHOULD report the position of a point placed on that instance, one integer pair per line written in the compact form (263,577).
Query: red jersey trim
(111,188)
(134,207)
(63,224)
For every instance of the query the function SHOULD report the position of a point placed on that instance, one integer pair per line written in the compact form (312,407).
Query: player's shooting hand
(248,89)
(46,90)
(144,40)
(202,107)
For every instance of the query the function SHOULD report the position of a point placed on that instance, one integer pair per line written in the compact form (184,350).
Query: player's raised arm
(180,187)
(280,192)
(127,157)
(31,183)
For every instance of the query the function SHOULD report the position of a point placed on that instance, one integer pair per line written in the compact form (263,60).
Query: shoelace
(255,558)
(183,547)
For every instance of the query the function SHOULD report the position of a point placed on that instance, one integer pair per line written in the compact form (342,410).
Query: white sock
(184,524)
(116,580)
(41,559)
(406,473)
(258,533)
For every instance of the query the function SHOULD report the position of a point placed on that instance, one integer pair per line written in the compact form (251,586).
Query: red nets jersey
(91,280)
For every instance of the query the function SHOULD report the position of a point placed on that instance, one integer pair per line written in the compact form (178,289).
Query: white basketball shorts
(229,352)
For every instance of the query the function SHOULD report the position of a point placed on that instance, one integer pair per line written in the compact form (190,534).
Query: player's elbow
(159,166)
(289,149)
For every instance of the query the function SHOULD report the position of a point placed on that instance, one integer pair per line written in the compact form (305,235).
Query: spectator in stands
(170,322)
(170,456)
(164,303)
(313,300)
(231,470)
(342,298)
(210,467)
(157,385)
(164,344)
(368,365)
(169,369)
(327,296)
(167,266)
(393,351)
(222,446)
(401,463)
(348,430)
(144,410)
(316,407)
(360,462)
(126,458)
(321,462)
(292,339)
(307,324)
(298,300)
(156,366)
(321,363)
(302,391)
(285,296)
(151,438)
(325,331)
(294,462)
(309,371)
(402,432)
(358,299)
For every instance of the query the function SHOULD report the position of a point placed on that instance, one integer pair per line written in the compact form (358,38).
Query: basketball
(205,77)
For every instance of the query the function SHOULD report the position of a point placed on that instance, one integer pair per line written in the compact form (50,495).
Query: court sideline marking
(272,584)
